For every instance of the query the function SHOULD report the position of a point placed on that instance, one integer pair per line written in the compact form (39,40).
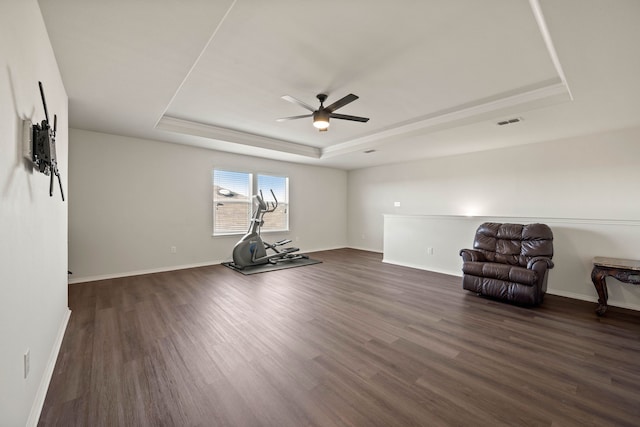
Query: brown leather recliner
(509,261)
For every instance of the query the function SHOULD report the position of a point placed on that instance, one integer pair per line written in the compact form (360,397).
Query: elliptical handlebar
(265,205)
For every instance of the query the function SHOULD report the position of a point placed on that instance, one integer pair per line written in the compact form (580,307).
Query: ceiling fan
(321,115)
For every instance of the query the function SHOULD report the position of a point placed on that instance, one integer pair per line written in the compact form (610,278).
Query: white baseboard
(550,291)
(422,267)
(140,272)
(571,295)
(589,298)
(332,248)
(41,394)
(359,248)
(83,279)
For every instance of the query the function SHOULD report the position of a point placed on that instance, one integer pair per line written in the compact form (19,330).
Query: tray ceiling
(430,75)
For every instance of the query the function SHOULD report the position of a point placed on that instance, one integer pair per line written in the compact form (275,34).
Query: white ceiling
(433,76)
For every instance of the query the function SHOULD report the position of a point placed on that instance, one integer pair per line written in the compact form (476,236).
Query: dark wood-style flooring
(349,342)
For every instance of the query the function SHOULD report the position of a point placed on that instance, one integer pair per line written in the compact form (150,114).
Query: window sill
(244,232)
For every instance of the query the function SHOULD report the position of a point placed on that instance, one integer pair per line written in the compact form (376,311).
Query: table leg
(598,277)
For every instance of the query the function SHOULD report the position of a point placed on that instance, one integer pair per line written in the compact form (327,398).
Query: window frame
(253,189)
(229,231)
(267,197)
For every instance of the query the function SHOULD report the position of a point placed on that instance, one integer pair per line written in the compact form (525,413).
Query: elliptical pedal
(289,250)
(282,242)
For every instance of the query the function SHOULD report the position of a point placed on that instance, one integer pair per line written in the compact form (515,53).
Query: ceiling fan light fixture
(321,124)
(321,120)
(321,115)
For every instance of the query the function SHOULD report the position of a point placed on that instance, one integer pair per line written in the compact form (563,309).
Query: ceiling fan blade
(352,118)
(284,119)
(298,102)
(341,103)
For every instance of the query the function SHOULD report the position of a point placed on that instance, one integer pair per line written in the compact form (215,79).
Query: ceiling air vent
(510,121)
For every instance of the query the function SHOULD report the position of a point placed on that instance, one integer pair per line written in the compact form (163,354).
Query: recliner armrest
(471,255)
(532,261)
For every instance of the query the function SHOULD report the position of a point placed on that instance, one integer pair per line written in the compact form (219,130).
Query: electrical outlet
(173,249)
(430,251)
(396,204)
(27,363)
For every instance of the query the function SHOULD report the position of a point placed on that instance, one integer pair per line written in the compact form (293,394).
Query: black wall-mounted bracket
(40,145)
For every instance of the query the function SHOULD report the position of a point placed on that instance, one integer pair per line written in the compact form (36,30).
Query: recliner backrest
(513,244)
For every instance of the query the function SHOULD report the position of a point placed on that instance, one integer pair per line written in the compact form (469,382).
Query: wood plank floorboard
(348,342)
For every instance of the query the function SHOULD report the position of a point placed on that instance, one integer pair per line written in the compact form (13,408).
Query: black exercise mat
(272,267)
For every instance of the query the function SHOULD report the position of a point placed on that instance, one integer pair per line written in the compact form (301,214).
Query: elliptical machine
(251,250)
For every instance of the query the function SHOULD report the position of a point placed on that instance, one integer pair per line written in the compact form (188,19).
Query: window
(277,220)
(233,201)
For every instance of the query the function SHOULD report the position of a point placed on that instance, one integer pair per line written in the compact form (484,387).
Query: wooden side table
(625,270)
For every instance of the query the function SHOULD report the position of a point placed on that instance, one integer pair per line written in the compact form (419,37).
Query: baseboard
(141,272)
(83,279)
(594,299)
(422,267)
(571,295)
(560,293)
(359,248)
(332,248)
(41,394)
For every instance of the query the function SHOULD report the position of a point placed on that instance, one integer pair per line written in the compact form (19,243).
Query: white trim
(361,248)
(550,91)
(544,31)
(610,303)
(489,218)
(193,66)
(189,127)
(41,394)
(577,296)
(333,248)
(572,295)
(420,267)
(141,272)
(84,279)
(451,117)
(242,233)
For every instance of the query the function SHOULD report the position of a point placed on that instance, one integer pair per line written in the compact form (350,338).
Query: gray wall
(132,199)
(408,238)
(33,226)
(587,186)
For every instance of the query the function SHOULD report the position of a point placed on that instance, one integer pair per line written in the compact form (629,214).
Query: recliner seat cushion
(514,292)
(509,273)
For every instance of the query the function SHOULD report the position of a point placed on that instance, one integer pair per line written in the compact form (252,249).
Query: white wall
(593,179)
(575,242)
(33,226)
(132,199)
